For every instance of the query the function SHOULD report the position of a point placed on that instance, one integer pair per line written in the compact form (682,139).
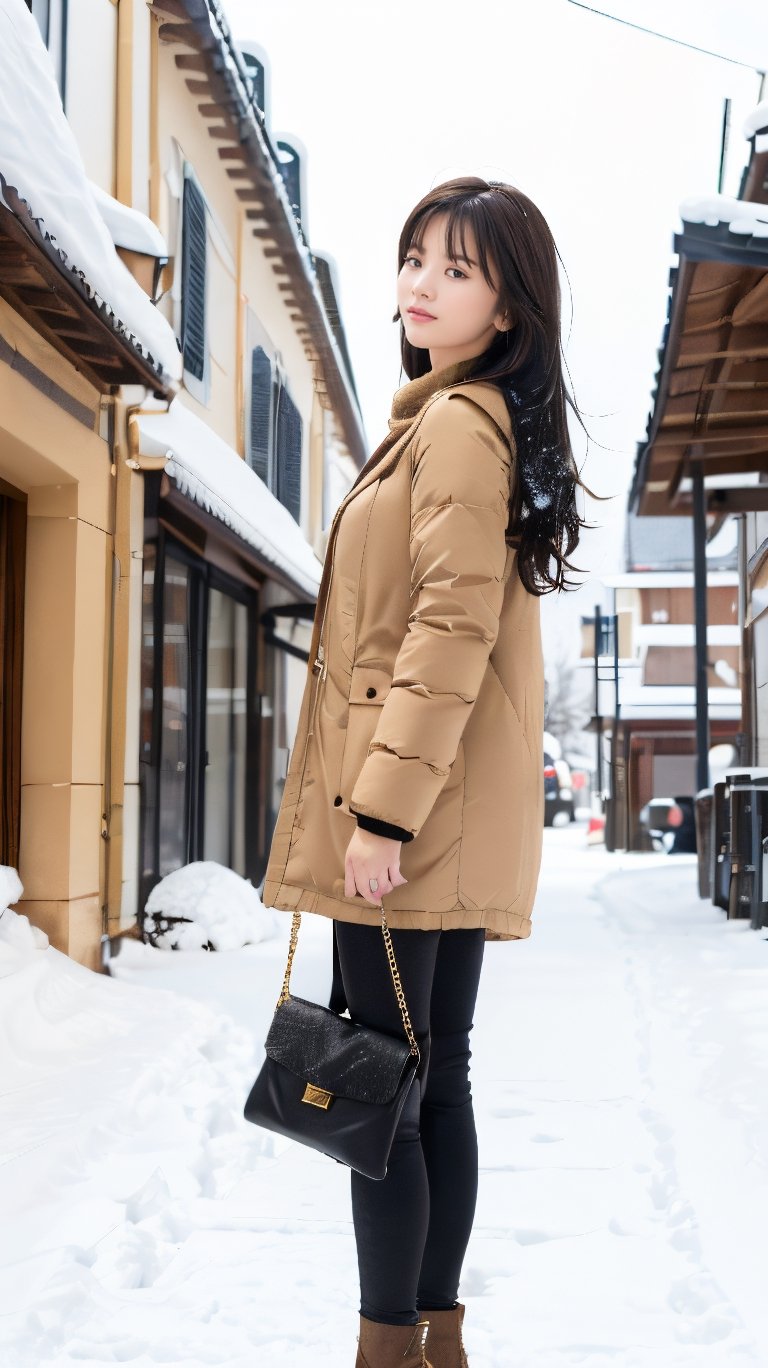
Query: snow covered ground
(621,1086)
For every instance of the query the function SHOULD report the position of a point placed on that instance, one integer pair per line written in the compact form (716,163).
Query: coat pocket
(369,688)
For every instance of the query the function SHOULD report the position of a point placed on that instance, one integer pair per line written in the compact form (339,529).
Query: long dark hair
(518,257)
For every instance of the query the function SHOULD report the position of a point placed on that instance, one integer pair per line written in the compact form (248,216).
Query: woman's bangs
(463,217)
(469,215)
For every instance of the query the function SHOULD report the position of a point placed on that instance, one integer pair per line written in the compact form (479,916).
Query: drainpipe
(118,648)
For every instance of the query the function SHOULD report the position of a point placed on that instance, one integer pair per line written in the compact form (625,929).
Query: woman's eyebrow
(419,247)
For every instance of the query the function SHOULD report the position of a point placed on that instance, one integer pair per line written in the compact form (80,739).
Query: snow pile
(205,906)
(40,159)
(127,227)
(743,217)
(623,1189)
(211,473)
(136,1199)
(11,887)
(19,940)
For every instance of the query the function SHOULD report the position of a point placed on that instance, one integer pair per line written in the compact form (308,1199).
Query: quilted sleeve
(459,513)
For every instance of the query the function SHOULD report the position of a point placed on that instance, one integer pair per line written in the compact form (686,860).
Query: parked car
(558,792)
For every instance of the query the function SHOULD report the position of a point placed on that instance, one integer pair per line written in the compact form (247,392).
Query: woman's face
(447,306)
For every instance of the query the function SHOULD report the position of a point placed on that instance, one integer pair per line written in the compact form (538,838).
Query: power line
(681,43)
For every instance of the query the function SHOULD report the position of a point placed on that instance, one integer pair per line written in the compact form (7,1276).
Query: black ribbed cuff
(395,833)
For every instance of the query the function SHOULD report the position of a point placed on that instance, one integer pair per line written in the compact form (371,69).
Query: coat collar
(410,400)
(407,407)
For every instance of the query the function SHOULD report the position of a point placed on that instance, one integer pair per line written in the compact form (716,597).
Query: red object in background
(578,779)
(550,772)
(675,816)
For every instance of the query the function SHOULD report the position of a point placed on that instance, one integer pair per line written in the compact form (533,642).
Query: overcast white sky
(606,128)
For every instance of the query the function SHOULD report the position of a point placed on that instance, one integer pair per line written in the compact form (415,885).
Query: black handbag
(331,1083)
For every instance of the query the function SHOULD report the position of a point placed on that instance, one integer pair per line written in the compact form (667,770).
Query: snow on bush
(19,939)
(205,906)
(11,887)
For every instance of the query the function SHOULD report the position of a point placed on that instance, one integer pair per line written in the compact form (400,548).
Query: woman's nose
(423,286)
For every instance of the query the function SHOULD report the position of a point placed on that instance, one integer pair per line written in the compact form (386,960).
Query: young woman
(415,781)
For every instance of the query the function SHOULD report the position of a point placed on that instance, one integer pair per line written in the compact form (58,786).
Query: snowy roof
(208,470)
(668,579)
(127,227)
(717,312)
(743,218)
(237,120)
(676,702)
(40,161)
(667,544)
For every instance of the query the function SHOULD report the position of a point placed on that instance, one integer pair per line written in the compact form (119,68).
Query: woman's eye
(456,273)
(411,261)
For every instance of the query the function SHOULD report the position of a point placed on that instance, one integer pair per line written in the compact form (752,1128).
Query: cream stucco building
(163,507)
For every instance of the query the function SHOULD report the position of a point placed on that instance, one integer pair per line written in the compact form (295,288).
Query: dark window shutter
(261,413)
(288,433)
(289,166)
(255,70)
(193,254)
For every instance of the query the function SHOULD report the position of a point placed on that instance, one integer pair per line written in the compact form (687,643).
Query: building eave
(212,67)
(711,397)
(58,301)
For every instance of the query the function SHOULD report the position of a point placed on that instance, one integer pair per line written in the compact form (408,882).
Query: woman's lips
(421,316)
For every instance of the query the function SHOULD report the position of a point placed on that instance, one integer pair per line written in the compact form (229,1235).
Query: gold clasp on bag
(317,1097)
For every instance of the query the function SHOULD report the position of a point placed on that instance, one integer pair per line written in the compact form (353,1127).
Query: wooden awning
(711,401)
(58,304)
(711,398)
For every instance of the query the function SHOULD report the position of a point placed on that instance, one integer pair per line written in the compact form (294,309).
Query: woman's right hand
(372,857)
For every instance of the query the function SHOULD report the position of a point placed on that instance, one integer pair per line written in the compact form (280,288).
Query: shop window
(194,243)
(200,720)
(174,718)
(226,741)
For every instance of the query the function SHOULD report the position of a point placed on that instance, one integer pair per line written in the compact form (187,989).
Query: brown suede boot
(444,1342)
(391,1346)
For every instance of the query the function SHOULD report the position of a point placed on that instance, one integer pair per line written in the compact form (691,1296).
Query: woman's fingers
(357,880)
(369,859)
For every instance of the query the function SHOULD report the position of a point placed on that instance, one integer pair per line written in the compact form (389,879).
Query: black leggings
(412,1228)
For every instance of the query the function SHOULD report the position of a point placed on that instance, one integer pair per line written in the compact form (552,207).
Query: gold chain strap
(399,994)
(393,969)
(285,993)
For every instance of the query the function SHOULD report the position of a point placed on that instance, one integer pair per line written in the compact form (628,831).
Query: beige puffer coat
(423,705)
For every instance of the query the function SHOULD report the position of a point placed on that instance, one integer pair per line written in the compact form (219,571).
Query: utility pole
(598,717)
(700,607)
